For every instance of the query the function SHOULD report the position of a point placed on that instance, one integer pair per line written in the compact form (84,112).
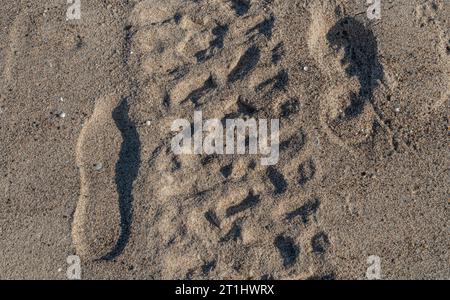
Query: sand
(86,166)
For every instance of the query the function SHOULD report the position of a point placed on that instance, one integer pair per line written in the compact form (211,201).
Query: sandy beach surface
(87,167)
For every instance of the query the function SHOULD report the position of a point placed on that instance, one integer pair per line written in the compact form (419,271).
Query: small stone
(397,109)
(148,123)
(306,68)
(62,115)
(98,166)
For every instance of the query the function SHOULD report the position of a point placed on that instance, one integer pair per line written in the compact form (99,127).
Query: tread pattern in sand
(229,66)
(209,217)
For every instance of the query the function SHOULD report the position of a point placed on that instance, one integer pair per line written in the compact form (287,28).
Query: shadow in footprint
(250,201)
(277,179)
(219,33)
(320,243)
(305,212)
(240,7)
(246,64)
(127,168)
(288,250)
(234,234)
(361,59)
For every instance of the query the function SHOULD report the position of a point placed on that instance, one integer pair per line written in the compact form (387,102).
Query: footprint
(360,58)
(194,58)
(96,224)
(108,159)
(19,35)
(347,53)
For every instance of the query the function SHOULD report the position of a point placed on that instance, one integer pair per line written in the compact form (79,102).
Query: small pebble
(306,68)
(62,115)
(148,123)
(397,109)
(98,166)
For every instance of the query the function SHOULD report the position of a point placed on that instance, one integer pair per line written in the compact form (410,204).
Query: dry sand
(86,166)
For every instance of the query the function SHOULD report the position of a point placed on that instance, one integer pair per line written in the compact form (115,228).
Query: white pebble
(306,68)
(148,123)
(98,166)
(62,115)
(397,109)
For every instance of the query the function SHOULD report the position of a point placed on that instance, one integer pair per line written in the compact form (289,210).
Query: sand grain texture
(363,166)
